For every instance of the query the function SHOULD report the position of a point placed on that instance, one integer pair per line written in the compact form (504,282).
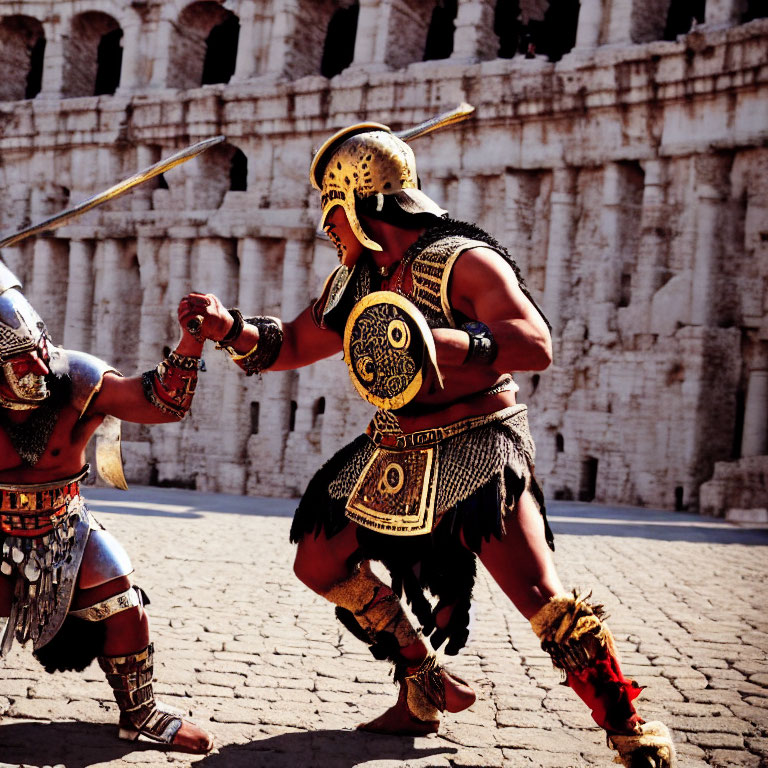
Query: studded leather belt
(34,510)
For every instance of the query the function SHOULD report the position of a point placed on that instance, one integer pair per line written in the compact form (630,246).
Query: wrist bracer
(483,348)
(267,348)
(171,385)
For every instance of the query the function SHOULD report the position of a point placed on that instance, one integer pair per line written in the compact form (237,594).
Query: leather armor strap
(170,387)
(131,598)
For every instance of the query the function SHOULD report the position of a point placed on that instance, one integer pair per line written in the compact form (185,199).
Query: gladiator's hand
(204,316)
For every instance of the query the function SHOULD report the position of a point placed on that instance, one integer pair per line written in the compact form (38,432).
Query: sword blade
(456,115)
(113,192)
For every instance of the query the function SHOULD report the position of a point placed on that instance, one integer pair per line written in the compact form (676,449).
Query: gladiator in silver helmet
(21,331)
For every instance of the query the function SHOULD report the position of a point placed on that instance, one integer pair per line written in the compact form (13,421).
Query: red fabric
(607,693)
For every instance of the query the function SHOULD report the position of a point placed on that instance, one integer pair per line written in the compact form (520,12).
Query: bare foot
(192,738)
(398,721)
(189,737)
(458,694)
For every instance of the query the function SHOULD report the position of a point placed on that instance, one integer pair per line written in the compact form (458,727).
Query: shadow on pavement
(582,519)
(75,744)
(330,749)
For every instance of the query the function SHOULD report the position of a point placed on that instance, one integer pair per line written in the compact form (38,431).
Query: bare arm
(484,287)
(303,342)
(125,398)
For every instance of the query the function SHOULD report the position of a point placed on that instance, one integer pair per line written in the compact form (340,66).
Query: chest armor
(430,272)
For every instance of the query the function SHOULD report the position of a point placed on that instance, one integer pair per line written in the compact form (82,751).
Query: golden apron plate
(396,492)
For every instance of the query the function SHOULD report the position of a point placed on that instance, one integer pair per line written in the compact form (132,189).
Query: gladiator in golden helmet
(369,159)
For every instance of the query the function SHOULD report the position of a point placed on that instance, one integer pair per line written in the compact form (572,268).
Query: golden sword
(113,192)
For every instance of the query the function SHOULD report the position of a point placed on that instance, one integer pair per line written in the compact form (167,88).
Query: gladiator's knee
(133,597)
(573,633)
(104,560)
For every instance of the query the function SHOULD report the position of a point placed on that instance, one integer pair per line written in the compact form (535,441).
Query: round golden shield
(388,347)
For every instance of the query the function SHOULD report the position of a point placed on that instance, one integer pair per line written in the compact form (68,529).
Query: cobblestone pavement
(250,653)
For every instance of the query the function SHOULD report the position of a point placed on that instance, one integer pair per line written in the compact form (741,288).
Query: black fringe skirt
(484,472)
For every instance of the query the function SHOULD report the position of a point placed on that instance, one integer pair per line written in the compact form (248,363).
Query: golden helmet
(364,160)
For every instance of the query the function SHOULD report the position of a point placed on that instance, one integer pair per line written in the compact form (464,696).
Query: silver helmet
(22,330)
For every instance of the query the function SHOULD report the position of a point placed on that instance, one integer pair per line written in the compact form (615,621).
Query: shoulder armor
(431,271)
(86,373)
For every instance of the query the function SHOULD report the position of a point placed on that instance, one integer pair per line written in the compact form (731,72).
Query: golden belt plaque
(396,492)
(388,348)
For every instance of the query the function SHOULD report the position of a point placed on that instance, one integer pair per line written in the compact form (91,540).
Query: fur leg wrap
(375,607)
(130,678)
(424,689)
(650,746)
(573,633)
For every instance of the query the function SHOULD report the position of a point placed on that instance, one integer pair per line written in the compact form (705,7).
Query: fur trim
(651,743)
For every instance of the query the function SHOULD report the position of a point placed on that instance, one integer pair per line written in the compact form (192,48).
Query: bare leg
(126,634)
(323,565)
(579,642)
(521,563)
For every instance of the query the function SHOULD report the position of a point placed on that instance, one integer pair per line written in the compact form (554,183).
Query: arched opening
(204,48)
(317,412)
(109,60)
(682,16)
(439,43)
(559,443)
(508,28)
(756,9)
(292,416)
(588,479)
(93,56)
(255,413)
(221,51)
(238,172)
(339,48)
(556,35)
(22,45)
(221,169)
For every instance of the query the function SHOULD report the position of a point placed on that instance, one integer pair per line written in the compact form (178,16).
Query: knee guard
(375,608)
(131,598)
(573,633)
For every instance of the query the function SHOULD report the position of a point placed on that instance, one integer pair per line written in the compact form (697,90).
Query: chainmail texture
(467,461)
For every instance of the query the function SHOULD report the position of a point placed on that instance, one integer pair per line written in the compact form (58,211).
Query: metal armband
(267,348)
(171,385)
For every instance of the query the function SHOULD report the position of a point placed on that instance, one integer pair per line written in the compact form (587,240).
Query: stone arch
(92,56)
(22,46)
(204,46)
(682,16)
(339,48)
(313,18)
(442,25)
(224,168)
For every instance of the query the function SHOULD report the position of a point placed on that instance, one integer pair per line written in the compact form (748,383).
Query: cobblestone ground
(249,652)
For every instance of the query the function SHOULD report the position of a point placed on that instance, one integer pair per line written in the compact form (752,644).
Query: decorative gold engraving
(388,347)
